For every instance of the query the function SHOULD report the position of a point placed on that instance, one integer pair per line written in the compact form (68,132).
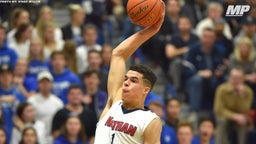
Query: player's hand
(160,21)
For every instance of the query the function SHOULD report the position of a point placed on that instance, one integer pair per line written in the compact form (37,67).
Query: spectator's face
(184,25)
(73,126)
(244,50)
(207,39)
(236,78)
(94,60)
(45,86)
(173,109)
(30,137)
(28,114)
(92,81)
(49,34)
(173,7)
(206,130)
(2,37)
(157,109)
(6,79)
(106,54)
(75,97)
(46,15)
(23,18)
(21,67)
(90,36)
(219,29)
(249,29)
(2,137)
(184,135)
(58,62)
(79,17)
(35,48)
(214,12)
(28,33)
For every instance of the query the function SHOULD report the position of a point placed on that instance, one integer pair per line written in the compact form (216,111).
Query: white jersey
(121,126)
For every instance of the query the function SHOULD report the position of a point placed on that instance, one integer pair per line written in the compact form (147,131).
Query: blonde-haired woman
(46,15)
(69,49)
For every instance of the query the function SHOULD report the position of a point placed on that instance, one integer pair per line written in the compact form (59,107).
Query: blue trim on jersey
(125,111)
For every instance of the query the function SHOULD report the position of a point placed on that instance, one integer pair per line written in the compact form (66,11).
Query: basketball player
(124,119)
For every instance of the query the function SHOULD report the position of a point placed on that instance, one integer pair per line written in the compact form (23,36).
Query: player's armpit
(153,132)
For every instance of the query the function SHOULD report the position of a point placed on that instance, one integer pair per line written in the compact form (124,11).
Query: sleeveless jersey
(120,126)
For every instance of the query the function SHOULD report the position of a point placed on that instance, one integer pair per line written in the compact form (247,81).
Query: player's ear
(146,90)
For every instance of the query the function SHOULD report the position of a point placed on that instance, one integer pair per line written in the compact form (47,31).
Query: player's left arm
(152,133)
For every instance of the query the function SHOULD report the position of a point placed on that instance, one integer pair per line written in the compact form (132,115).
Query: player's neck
(131,107)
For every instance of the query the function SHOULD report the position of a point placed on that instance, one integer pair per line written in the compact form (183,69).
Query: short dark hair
(74,87)
(94,51)
(172,99)
(206,120)
(147,74)
(90,72)
(90,26)
(185,124)
(58,53)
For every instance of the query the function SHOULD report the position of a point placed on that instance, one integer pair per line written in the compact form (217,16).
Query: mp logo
(237,10)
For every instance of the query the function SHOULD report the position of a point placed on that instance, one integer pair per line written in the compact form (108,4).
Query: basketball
(144,12)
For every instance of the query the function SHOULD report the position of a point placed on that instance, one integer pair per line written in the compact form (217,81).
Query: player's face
(184,135)
(133,87)
(206,130)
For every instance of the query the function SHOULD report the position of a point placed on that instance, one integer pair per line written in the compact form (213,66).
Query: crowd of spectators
(53,75)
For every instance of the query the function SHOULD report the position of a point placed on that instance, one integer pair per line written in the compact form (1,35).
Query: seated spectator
(214,11)
(73,30)
(7,55)
(95,98)
(45,103)
(18,16)
(89,38)
(172,112)
(248,30)
(25,117)
(184,133)
(27,85)
(231,106)
(72,132)
(3,136)
(46,15)
(106,53)
(29,136)
(204,71)
(62,75)
(206,132)
(69,49)
(36,61)
(21,40)
(75,107)
(49,43)
(168,135)
(177,47)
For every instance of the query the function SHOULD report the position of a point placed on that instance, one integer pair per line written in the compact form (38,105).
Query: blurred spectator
(44,102)
(214,11)
(69,49)
(172,112)
(27,85)
(18,17)
(248,30)
(29,136)
(62,75)
(106,53)
(25,117)
(232,103)
(177,47)
(168,135)
(74,29)
(89,38)
(21,41)
(36,61)
(184,133)
(46,15)
(72,132)
(204,71)
(50,44)
(95,99)
(225,44)
(7,55)
(3,136)
(206,132)
(75,107)
(95,61)
(195,10)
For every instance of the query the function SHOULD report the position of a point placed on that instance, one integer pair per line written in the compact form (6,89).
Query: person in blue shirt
(184,132)
(168,135)
(63,77)
(7,55)
(72,132)
(206,132)
(10,96)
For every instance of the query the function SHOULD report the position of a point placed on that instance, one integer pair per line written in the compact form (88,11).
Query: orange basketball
(144,12)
